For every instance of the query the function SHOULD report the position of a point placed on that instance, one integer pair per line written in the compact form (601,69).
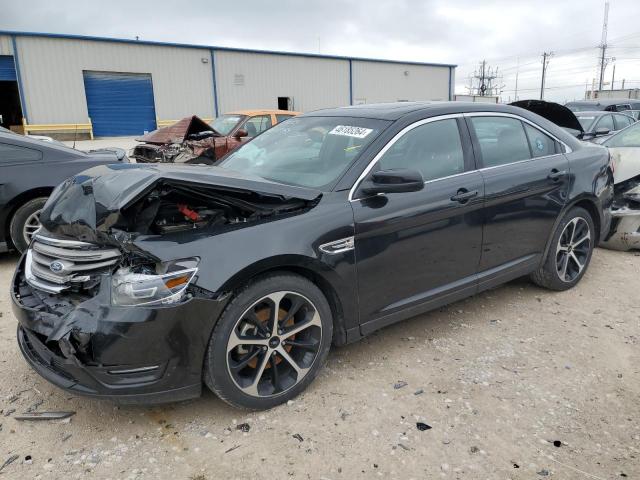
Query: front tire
(25,222)
(570,252)
(270,342)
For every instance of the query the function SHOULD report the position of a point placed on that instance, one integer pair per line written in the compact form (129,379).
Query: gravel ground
(517,382)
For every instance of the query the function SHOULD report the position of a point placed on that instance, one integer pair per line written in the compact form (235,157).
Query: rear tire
(569,253)
(255,363)
(25,222)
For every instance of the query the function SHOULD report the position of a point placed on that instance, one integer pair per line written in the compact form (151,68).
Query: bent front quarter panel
(231,258)
(592,180)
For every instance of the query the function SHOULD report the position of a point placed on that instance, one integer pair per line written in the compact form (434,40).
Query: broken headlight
(167,285)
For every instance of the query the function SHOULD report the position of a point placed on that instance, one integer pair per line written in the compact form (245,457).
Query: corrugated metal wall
(52,68)
(5,45)
(389,82)
(253,80)
(51,71)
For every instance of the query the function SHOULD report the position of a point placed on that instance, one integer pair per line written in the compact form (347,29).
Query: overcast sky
(462,32)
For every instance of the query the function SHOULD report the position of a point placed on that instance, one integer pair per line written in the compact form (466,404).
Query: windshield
(586,121)
(226,123)
(629,137)
(306,151)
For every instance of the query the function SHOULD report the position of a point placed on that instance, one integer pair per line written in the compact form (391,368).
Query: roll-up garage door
(120,103)
(7,68)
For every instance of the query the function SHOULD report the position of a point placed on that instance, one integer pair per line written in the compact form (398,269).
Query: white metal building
(62,83)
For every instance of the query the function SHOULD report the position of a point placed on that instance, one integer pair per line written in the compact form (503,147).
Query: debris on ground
(9,461)
(44,415)
(420,391)
(232,449)
(400,384)
(543,473)
(243,427)
(474,449)
(557,443)
(423,426)
(298,437)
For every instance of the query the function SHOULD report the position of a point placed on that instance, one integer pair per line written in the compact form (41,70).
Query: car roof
(396,110)
(605,102)
(597,113)
(252,113)
(24,141)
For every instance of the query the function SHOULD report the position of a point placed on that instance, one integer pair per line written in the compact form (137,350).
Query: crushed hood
(89,206)
(178,132)
(554,112)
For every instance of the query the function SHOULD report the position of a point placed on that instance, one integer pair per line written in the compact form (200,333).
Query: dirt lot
(499,378)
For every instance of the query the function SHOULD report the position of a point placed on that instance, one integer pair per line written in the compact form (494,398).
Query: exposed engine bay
(175,207)
(93,223)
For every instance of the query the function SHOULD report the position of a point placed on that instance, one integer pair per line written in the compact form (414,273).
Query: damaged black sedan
(146,281)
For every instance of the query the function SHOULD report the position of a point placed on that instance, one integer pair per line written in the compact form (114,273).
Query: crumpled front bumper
(129,354)
(625,230)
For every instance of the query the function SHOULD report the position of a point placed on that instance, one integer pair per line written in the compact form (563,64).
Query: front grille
(54,265)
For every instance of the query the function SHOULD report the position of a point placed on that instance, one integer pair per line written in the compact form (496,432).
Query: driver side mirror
(393,181)
(602,131)
(241,133)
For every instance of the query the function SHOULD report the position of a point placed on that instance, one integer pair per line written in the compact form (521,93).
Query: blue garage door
(120,103)
(7,68)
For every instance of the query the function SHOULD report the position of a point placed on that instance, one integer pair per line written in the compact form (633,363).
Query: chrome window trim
(391,142)
(424,121)
(518,117)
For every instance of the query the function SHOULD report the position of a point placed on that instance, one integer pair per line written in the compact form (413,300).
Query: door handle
(463,196)
(557,175)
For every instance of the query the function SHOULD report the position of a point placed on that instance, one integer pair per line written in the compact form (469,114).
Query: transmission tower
(485,81)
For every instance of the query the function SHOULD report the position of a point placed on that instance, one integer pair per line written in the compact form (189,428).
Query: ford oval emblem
(56,266)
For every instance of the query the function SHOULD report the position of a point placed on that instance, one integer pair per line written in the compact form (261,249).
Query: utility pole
(623,84)
(545,62)
(613,75)
(603,45)
(517,73)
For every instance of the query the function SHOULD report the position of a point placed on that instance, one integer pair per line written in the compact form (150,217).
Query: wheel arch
(16,202)
(590,204)
(320,274)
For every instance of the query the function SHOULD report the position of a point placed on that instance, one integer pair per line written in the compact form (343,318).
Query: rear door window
(502,140)
(622,121)
(11,154)
(606,121)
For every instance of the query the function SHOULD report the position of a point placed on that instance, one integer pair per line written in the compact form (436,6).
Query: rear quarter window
(15,154)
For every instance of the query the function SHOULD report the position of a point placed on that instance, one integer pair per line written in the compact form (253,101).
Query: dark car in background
(319,231)
(600,124)
(595,126)
(606,104)
(29,171)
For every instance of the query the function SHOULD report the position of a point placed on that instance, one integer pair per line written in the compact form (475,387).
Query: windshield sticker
(347,131)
